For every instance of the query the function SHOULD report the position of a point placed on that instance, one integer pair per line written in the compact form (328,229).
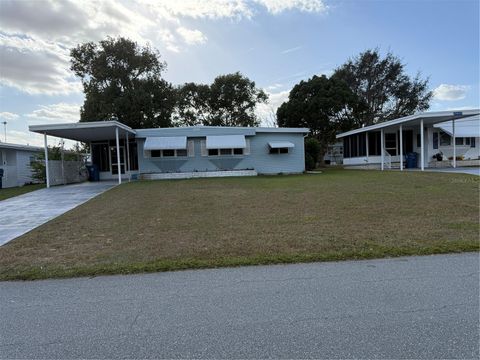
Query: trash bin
(411,160)
(93,173)
(1,177)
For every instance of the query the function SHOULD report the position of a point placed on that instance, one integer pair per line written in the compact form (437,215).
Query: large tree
(319,104)
(123,80)
(384,89)
(229,101)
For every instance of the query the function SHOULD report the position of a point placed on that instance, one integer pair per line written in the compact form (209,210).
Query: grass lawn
(15,191)
(168,225)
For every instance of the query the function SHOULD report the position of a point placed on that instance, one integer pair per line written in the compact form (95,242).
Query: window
(472,142)
(445,139)
(435,140)
(467,141)
(419,141)
(459,141)
(278,150)
(225,152)
(168,153)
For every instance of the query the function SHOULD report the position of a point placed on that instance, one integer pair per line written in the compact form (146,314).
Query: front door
(114,161)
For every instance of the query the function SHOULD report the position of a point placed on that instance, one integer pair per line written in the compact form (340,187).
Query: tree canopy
(318,104)
(383,88)
(230,100)
(123,80)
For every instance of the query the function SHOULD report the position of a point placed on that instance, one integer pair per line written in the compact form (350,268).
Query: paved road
(417,307)
(23,213)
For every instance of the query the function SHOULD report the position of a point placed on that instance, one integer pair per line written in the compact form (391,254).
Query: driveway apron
(23,213)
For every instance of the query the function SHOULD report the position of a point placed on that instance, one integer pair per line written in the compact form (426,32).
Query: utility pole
(5,130)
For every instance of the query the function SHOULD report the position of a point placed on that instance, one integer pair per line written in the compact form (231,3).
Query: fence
(66,172)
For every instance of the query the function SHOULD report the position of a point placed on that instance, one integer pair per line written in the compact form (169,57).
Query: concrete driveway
(459,170)
(23,213)
(412,307)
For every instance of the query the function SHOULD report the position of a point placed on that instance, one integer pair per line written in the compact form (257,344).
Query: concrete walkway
(23,213)
(410,308)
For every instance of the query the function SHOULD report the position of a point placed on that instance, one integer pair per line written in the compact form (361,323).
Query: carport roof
(429,118)
(84,131)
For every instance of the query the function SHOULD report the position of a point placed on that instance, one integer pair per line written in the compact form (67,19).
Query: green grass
(173,225)
(15,191)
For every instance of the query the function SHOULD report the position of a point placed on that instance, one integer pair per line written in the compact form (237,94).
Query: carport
(387,142)
(88,132)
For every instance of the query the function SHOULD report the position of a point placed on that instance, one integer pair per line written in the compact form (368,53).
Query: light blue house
(15,162)
(198,151)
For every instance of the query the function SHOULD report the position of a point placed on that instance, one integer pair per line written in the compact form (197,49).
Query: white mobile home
(15,162)
(431,139)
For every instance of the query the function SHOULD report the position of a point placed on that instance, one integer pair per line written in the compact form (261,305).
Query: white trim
(80,125)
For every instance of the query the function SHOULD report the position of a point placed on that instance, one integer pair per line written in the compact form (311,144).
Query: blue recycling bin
(411,160)
(93,173)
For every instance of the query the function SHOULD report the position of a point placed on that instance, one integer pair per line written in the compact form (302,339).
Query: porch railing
(387,159)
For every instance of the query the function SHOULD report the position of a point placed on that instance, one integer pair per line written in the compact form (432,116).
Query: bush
(310,164)
(312,151)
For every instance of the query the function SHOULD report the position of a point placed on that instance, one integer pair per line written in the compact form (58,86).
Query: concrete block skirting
(199,174)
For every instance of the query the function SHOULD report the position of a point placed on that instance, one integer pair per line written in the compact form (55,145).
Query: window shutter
(191,148)
(203,146)
(247,147)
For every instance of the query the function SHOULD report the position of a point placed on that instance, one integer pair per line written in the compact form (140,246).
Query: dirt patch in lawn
(167,225)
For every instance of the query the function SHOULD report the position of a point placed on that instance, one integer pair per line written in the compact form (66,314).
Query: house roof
(197,131)
(20,147)
(105,130)
(429,118)
(85,131)
(467,127)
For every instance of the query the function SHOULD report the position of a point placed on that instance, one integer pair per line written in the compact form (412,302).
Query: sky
(276,43)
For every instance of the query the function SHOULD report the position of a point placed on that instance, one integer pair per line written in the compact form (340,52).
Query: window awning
(165,143)
(226,142)
(281,144)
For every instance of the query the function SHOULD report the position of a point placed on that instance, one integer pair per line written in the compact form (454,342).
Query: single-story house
(442,138)
(120,152)
(15,162)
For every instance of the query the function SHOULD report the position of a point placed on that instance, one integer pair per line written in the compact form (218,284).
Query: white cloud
(35,36)
(450,92)
(8,115)
(267,112)
(23,138)
(191,37)
(287,51)
(278,6)
(56,113)
(211,9)
(35,66)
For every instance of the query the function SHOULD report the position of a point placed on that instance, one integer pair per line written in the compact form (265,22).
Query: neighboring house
(185,152)
(334,154)
(15,161)
(385,145)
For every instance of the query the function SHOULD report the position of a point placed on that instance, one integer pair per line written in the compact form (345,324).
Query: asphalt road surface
(415,307)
